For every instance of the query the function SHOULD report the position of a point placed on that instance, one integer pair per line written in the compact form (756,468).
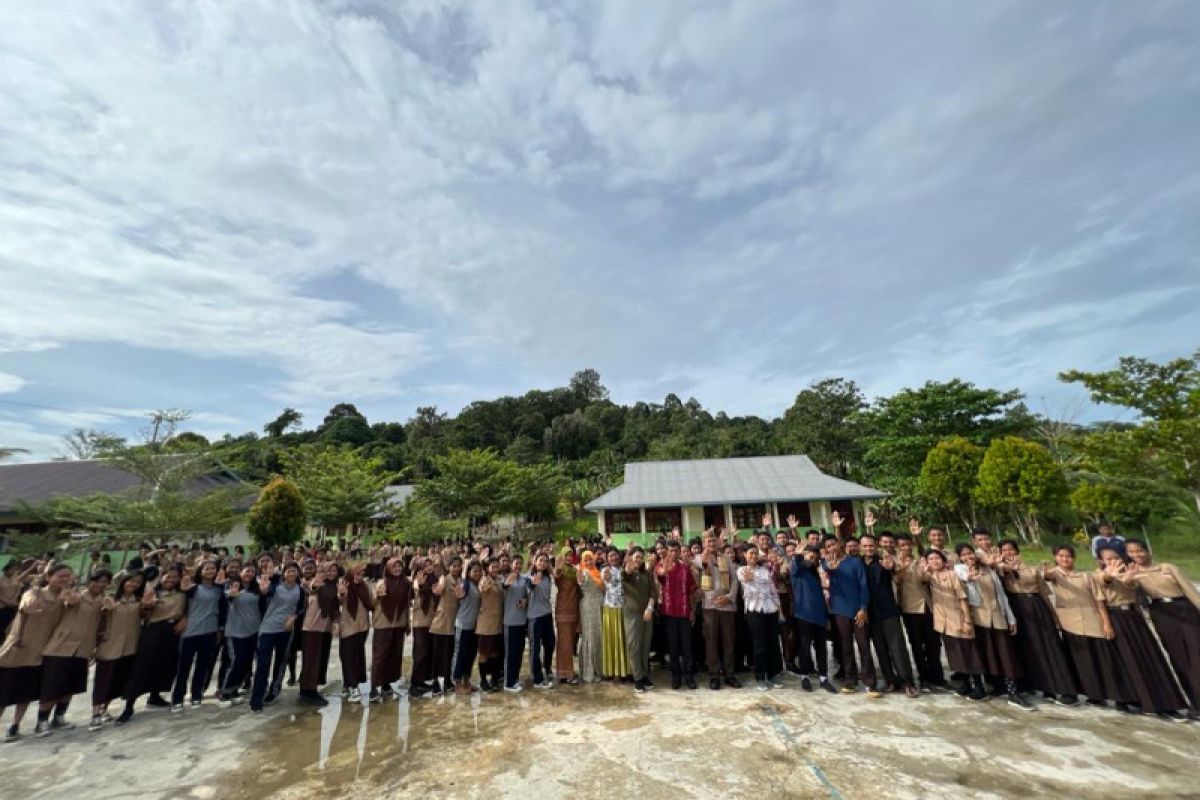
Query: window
(623,521)
(846,509)
(748,515)
(662,520)
(714,517)
(799,510)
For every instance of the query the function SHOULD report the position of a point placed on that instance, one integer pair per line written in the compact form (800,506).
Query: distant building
(35,483)
(725,492)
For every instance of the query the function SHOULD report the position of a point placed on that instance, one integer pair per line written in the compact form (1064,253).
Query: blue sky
(233,207)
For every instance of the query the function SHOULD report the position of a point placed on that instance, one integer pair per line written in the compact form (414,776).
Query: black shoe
(977,694)
(806,684)
(828,686)
(714,683)
(1129,708)
(270,698)
(676,682)
(1017,701)
(126,715)
(732,682)
(639,687)
(795,671)
(649,684)
(1171,716)
(156,701)
(1095,701)
(690,682)
(313,697)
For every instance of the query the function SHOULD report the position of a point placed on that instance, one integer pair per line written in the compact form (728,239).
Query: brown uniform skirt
(491,647)
(314,669)
(110,679)
(1147,675)
(1039,647)
(564,648)
(387,655)
(1096,664)
(422,657)
(996,653)
(20,685)
(63,676)
(352,652)
(1178,626)
(962,655)
(155,661)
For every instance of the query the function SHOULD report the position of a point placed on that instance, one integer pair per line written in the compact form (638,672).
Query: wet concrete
(605,741)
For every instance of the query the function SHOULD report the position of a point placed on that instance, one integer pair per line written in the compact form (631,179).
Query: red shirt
(678,587)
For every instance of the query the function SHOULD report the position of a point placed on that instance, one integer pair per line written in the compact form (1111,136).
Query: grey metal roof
(727,480)
(35,483)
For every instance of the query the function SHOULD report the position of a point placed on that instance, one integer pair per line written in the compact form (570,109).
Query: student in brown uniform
(566,616)
(1145,671)
(67,654)
(441,628)
(1041,650)
(157,656)
(425,603)
(1175,611)
(995,624)
(913,595)
(354,622)
(952,619)
(21,654)
(10,595)
(489,628)
(393,596)
(120,625)
(322,610)
(1086,628)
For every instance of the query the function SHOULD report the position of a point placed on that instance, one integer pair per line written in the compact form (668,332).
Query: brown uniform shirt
(170,606)
(313,619)
(380,620)
(491,607)
(566,603)
(945,593)
(349,625)
(989,613)
(119,630)
(40,611)
(911,591)
(1116,593)
(75,636)
(1075,596)
(420,618)
(1165,580)
(1026,580)
(447,610)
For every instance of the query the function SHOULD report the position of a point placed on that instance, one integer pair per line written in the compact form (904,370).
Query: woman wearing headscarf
(1147,677)
(441,629)
(1086,628)
(120,625)
(424,607)
(566,616)
(489,628)
(71,647)
(393,596)
(154,665)
(353,624)
(591,605)
(322,611)
(38,615)
(1175,612)
(614,661)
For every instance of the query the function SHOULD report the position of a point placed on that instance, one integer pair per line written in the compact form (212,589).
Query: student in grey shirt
(541,622)
(241,633)
(206,610)
(466,643)
(282,603)
(516,603)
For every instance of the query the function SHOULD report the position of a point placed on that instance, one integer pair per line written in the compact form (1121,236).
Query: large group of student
(1122,633)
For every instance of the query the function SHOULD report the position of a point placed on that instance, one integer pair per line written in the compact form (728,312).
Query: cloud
(10,383)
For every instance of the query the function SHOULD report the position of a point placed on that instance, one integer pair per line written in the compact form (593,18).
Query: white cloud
(10,383)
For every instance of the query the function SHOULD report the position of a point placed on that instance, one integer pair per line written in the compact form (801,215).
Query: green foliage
(279,517)
(288,419)
(824,424)
(571,436)
(339,485)
(417,523)
(468,482)
(949,475)
(82,444)
(1020,478)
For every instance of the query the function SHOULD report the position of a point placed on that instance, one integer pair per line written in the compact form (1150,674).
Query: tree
(949,476)
(469,483)
(187,441)
(587,388)
(1167,398)
(279,517)
(571,436)
(1019,478)
(288,419)
(534,492)
(417,523)
(424,441)
(344,425)
(82,445)
(9,452)
(340,487)
(823,423)
(1130,503)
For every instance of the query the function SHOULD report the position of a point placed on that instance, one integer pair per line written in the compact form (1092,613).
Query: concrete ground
(605,741)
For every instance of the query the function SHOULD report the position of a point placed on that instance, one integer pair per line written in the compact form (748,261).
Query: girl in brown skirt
(1175,611)
(393,596)
(994,624)
(120,625)
(356,604)
(952,619)
(489,628)
(425,604)
(157,655)
(1144,669)
(321,612)
(441,629)
(566,617)
(67,653)
(1040,648)
(1086,628)
(21,654)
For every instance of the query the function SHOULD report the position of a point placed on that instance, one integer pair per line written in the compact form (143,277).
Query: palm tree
(9,452)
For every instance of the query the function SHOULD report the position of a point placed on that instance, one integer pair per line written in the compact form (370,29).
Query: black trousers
(678,631)
(241,655)
(764,635)
(890,648)
(466,646)
(811,639)
(853,636)
(514,652)
(443,654)
(273,650)
(541,647)
(202,651)
(926,648)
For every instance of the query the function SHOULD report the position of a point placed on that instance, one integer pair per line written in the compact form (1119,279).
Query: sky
(233,207)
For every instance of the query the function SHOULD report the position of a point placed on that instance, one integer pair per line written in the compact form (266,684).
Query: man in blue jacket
(809,617)
(848,601)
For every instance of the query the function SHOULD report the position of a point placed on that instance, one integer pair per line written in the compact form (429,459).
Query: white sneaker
(177,708)
(515,688)
(761,686)
(543,685)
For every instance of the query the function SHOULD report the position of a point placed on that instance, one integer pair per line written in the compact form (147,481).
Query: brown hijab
(399,591)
